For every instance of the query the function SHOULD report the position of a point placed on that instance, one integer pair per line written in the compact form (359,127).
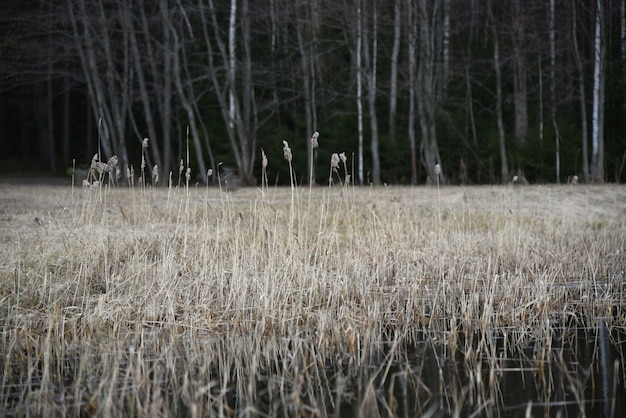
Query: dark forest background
(487,89)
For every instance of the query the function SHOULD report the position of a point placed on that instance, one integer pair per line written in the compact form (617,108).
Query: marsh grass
(290,302)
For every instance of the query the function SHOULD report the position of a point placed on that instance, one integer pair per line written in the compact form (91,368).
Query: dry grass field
(296,301)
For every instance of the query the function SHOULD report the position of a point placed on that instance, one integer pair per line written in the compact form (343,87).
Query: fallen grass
(201,302)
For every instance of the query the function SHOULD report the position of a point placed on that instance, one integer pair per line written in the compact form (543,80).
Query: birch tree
(597,118)
(393,84)
(557,137)
(239,118)
(359,87)
(428,48)
(504,170)
(371,59)
(107,78)
(412,46)
(519,74)
(581,95)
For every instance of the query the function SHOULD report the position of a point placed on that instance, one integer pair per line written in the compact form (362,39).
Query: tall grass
(160,302)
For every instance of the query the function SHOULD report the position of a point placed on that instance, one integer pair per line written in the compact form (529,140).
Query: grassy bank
(198,301)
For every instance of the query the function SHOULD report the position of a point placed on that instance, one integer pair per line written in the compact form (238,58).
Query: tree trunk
(66,135)
(427,80)
(187,106)
(412,45)
(393,87)
(504,170)
(359,94)
(137,59)
(582,96)
(557,138)
(519,76)
(597,118)
(306,86)
(370,65)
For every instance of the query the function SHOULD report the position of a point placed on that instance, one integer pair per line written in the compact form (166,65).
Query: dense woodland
(486,89)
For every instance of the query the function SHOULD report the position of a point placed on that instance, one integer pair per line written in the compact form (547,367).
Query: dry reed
(217,303)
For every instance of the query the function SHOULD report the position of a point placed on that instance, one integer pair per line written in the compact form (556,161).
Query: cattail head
(209,173)
(263,158)
(112,163)
(437,169)
(144,144)
(155,174)
(286,151)
(314,143)
(343,158)
(334,161)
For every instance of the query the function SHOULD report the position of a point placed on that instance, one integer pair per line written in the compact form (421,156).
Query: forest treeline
(483,89)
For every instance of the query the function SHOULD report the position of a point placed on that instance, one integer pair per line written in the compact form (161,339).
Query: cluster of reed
(202,302)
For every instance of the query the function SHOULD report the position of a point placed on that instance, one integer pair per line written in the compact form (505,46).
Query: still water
(558,372)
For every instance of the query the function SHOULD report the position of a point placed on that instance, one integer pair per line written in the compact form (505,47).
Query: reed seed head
(314,143)
(263,158)
(343,157)
(437,169)
(334,161)
(144,144)
(286,151)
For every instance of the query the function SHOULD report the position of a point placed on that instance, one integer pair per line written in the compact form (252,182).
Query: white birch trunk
(232,62)
(393,88)
(597,117)
(370,65)
(582,96)
(557,136)
(504,170)
(359,94)
(412,44)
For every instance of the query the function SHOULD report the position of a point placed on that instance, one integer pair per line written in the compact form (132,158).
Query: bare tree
(108,78)
(307,63)
(359,86)
(597,118)
(371,59)
(240,119)
(504,170)
(581,95)
(428,77)
(393,85)
(557,136)
(412,45)
(519,74)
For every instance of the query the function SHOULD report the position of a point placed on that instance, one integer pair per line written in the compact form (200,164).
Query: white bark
(519,75)
(232,61)
(557,137)
(429,26)
(393,88)
(359,94)
(370,65)
(582,96)
(597,117)
(504,170)
(412,44)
